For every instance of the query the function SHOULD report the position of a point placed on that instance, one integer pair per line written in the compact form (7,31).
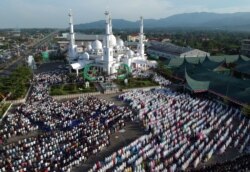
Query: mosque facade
(109,54)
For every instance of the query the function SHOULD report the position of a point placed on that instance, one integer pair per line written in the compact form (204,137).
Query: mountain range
(231,21)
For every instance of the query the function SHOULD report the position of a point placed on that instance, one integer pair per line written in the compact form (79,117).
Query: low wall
(70,96)
(141,88)
(5,113)
(111,91)
(19,101)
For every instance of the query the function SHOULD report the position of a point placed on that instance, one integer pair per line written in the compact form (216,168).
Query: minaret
(72,46)
(108,50)
(110,25)
(141,41)
(72,34)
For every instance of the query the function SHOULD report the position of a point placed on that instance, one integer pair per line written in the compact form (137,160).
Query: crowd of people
(182,132)
(151,74)
(67,132)
(138,73)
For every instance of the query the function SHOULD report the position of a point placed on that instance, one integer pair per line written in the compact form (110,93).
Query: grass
(66,89)
(136,83)
(3,108)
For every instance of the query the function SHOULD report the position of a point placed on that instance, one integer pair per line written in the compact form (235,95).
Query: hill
(226,21)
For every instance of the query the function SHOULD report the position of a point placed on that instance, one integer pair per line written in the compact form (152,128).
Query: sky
(54,13)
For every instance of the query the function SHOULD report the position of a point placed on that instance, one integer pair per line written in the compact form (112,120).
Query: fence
(70,96)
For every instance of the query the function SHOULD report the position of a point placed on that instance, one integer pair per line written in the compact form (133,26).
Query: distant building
(2,38)
(31,62)
(65,35)
(166,40)
(245,47)
(135,37)
(169,50)
(16,33)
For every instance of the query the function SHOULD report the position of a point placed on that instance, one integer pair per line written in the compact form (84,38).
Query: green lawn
(3,108)
(71,89)
(135,83)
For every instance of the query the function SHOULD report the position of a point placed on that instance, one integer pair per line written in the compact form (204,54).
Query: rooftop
(169,48)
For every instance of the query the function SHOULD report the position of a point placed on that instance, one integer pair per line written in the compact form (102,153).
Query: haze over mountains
(228,21)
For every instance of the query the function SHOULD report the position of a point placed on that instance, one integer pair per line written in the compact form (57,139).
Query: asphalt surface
(47,67)
(119,139)
(11,66)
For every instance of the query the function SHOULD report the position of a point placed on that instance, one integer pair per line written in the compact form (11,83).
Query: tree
(162,69)
(17,83)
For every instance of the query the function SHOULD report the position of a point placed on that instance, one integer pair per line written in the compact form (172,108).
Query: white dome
(81,57)
(120,42)
(89,47)
(86,55)
(97,45)
(130,53)
(112,40)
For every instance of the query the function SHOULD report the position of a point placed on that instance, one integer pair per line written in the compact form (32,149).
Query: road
(44,40)
(13,65)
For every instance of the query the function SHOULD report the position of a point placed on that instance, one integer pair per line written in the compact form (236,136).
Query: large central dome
(97,45)
(120,42)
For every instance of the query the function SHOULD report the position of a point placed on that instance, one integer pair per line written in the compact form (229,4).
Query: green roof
(243,68)
(175,62)
(196,85)
(203,76)
(243,65)
(211,65)
(195,60)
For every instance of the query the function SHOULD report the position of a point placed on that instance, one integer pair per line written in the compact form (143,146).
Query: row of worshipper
(161,80)
(68,132)
(138,73)
(148,74)
(182,132)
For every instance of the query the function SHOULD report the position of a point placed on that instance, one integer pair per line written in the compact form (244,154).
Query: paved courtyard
(119,139)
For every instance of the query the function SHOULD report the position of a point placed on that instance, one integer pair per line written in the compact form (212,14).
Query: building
(135,37)
(2,38)
(81,40)
(214,75)
(108,54)
(16,33)
(169,50)
(245,47)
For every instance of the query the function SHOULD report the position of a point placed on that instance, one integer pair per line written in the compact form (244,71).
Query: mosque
(108,56)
